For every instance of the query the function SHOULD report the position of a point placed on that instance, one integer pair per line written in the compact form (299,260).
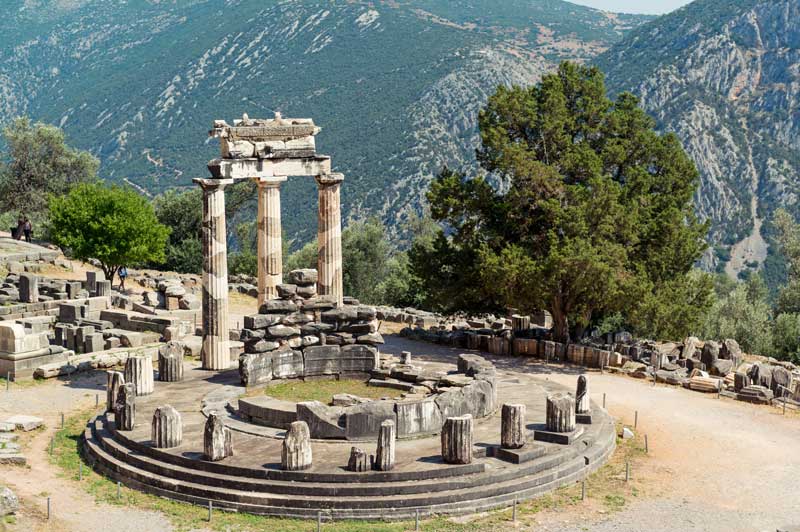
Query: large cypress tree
(584,210)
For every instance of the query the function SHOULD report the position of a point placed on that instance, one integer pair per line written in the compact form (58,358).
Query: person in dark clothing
(28,229)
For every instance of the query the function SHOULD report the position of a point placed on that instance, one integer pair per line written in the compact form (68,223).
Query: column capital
(329,179)
(212,183)
(274,181)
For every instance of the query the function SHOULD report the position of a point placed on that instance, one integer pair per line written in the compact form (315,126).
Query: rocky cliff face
(724,75)
(396,85)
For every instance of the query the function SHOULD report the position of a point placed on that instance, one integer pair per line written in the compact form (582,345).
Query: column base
(216,353)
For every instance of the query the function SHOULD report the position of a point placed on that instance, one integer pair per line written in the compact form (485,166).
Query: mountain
(395,84)
(724,75)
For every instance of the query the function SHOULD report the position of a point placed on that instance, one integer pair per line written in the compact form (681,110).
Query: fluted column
(215,353)
(270,251)
(329,236)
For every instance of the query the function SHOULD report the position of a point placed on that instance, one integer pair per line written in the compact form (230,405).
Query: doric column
(329,236)
(270,252)
(215,353)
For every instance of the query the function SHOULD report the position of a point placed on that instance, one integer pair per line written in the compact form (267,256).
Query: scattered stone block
(217,439)
(125,407)
(456,440)
(324,422)
(9,503)
(513,433)
(167,428)
(296,448)
(384,456)
(114,380)
(28,288)
(358,461)
(24,423)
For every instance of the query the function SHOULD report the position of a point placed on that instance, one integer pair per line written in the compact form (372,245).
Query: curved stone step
(496,491)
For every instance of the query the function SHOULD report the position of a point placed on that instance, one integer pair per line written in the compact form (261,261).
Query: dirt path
(72,508)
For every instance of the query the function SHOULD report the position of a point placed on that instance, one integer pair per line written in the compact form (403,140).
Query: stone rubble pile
(169,291)
(303,335)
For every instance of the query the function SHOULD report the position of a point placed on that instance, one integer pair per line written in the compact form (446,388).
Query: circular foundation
(251,480)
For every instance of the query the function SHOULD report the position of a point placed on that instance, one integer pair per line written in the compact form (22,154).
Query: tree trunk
(560,326)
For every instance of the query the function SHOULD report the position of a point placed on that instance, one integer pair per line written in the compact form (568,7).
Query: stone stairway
(485,484)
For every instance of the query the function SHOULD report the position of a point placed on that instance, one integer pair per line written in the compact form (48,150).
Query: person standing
(20,228)
(28,229)
(123,274)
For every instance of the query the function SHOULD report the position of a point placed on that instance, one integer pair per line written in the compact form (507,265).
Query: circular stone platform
(252,481)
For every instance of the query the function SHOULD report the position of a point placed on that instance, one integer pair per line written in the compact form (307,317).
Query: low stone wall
(431,398)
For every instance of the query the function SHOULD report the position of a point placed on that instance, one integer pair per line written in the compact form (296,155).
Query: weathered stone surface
(283,331)
(296,448)
(9,503)
(740,381)
(370,339)
(167,428)
(114,379)
(23,422)
(513,434)
(170,362)
(102,288)
(348,399)
(781,381)
(457,440)
(560,413)
(452,403)
(125,407)
(730,350)
(582,404)
(384,456)
(278,306)
(405,357)
(324,422)
(302,277)
(761,375)
(139,373)
(28,288)
(322,360)
(418,417)
(710,354)
(358,461)
(255,368)
(217,439)
(755,394)
(262,321)
(287,364)
(358,359)
(481,397)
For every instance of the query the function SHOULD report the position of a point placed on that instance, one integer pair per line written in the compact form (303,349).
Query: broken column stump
(296,448)
(125,407)
(583,408)
(170,362)
(139,372)
(358,461)
(387,434)
(217,440)
(457,440)
(167,428)
(114,379)
(512,426)
(560,424)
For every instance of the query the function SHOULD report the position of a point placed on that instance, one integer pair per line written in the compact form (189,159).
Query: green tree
(182,212)
(743,315)
(114,225)
(788,239)
(39,164)
(586,210)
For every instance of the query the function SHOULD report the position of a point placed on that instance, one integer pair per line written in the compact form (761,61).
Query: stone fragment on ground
(23,422)
(9,503)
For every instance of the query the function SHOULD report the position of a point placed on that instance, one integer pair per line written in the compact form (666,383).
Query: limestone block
(324,422)
(358,461)
(11,337)
(322,360)
(170,362)
(560,413)
(303,277)
(114,380)
(287,364)
(418,417)
(139,373)
(582,401)
(296,448)
(94,342)
(255,368)
(358,359)
(277,306)
(481,397)
(452,403)
(102,288)
(282,331)
(456,440)
(740,381)
(217,439)
(384,455)
(91,280)
(513,434)
(167,428)
(710,354)
(125,407)
(28,288)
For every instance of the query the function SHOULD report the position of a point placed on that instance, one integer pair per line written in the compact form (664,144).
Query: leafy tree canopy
(114,225)
(39,163)
(586,210)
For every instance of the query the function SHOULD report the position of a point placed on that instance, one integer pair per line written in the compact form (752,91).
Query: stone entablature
(431,398)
